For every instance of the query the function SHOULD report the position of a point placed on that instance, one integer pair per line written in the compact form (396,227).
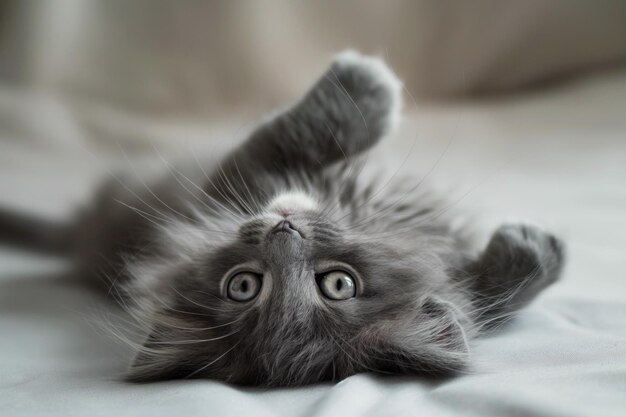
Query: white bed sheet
(556,157)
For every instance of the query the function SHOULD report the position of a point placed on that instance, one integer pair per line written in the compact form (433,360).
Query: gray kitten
(287,266)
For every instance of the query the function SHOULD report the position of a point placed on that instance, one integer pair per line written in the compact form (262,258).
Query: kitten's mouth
(285,226)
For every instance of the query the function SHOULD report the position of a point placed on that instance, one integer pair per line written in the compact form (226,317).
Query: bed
(555,157)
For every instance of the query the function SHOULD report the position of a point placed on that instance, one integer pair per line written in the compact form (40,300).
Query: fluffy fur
(421,293)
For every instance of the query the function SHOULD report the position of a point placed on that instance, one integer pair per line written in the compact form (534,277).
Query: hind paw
(529,251)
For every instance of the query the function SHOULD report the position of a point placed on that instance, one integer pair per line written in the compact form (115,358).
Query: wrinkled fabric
(557,158)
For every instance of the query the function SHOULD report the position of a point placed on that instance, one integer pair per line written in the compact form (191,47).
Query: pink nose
(286,212)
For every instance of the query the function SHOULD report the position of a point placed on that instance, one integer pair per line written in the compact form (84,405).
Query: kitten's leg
(355,103)
(518,263)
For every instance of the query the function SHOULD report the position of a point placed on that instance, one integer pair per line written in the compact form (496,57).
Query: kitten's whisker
(120,182)
(175,172)
(229,186)
(194,341)
(147,216)
(148,188)
(196,303)
(227,209)
(219,190)
(197,329)
(253,199)
(201,229)
(138,347)
(197,371)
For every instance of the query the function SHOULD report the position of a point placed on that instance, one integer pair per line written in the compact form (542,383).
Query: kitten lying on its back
(284,266)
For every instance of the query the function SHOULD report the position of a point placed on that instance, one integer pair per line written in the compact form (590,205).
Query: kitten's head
(307,283)
(299,293)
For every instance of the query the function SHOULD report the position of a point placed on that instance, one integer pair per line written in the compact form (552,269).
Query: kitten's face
(297,296)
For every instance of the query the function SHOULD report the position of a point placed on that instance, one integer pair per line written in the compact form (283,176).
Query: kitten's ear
(447,331)
(434,342)
(519,262)
(355,103)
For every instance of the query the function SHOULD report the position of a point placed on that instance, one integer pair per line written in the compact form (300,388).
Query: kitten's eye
(244,286)
(337,285)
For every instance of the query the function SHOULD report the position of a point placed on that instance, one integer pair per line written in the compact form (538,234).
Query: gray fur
(422,294)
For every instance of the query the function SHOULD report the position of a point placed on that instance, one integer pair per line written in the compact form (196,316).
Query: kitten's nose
(285,226)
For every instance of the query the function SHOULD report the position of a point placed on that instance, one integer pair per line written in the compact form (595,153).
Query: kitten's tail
(35,234)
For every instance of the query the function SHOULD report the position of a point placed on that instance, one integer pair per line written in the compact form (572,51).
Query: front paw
(371,87)
(345,113)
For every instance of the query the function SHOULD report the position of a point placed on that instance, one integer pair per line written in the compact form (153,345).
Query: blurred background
(210,59)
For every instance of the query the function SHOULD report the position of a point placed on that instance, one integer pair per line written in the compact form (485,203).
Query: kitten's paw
(519,262)
(354,104)
(372,87)
(530,252)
